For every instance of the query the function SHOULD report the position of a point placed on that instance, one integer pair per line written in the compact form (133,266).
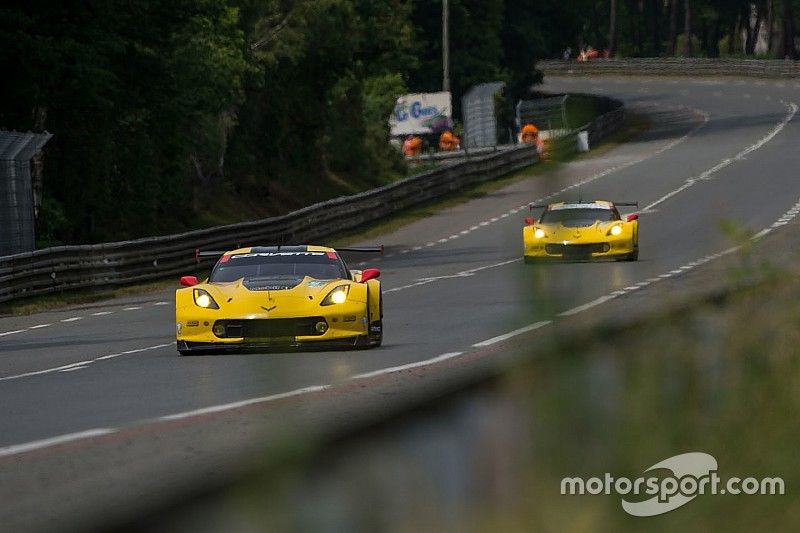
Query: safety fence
(64,268)
(695,67)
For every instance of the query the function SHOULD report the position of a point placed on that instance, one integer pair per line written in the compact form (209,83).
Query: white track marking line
(12,332)
(161,303)
(46,371)
(510,334)
(417,364)
(791,214)
(40,326)
(82,363)
(73,319)
(593,303)
(134,308)
(705,119)
(103,313)
(73,369)
(244,403)
(726,162)
(21,448)
(463,274)
(47,443)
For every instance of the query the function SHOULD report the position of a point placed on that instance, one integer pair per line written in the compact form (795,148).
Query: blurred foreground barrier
(64,268)
(695,67)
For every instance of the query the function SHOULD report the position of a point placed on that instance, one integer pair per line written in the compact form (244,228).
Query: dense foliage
(173,114)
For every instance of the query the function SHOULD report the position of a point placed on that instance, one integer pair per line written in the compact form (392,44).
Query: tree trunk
(687,28)
(673,27)
(633,28)
(770,25)
(640,27)
(612,30)
(732,37)
(789,51)
(656,8)
(752,33)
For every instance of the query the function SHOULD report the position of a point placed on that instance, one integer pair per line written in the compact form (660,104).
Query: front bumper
(242,346)
(202,329)
(577,251)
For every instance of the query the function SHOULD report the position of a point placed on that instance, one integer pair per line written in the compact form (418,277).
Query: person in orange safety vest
(449,142)
(530,135)
(412,146)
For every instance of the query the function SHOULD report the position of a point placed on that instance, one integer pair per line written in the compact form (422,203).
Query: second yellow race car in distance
(279,296)
(581,231)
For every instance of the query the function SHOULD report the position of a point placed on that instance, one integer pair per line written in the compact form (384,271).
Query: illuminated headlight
(204,300)
(538,233)
(337,295)
(616,230)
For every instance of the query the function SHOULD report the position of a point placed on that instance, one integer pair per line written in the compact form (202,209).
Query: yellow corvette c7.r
(581,231)
(272,296)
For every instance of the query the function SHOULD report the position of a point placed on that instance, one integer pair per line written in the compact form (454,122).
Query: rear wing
(362,249)
(216,254)
(199,256)
(623,204)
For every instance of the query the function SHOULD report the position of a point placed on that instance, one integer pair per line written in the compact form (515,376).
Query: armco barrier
(696,67)
(64,268)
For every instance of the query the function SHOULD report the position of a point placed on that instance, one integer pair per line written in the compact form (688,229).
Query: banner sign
(421,113)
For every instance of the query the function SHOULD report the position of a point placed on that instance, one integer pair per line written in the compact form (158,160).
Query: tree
(787,48)
(673,27)
(687,28)
(612,31)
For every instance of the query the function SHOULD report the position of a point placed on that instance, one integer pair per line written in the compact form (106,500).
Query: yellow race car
(275,296)
(581,231)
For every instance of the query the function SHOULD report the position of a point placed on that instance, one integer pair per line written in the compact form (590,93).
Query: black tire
(376,337)
(375,327)
(184,352)
(634,255)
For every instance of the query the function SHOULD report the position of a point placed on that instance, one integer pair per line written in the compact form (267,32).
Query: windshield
(318,265)
(578,217)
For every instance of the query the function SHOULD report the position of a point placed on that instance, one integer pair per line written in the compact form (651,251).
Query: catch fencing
(478,111)
(694,67)
(17,221)
(64,268)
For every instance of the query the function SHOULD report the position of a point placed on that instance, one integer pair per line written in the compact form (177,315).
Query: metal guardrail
(64,268)
(697,67)
(74,267)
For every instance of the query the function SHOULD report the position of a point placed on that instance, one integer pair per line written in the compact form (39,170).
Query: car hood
(560,232)
(272,291)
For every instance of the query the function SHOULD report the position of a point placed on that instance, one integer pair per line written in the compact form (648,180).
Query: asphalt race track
(720,152)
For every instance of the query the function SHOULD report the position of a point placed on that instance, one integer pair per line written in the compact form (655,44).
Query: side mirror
(369,273)
(633,217)
(529,221)
(189,281)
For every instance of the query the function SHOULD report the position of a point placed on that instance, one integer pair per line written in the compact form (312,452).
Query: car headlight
(616,230)
(538,233)
(337,295)
(204,300)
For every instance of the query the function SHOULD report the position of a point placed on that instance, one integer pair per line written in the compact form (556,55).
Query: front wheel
(634,255)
